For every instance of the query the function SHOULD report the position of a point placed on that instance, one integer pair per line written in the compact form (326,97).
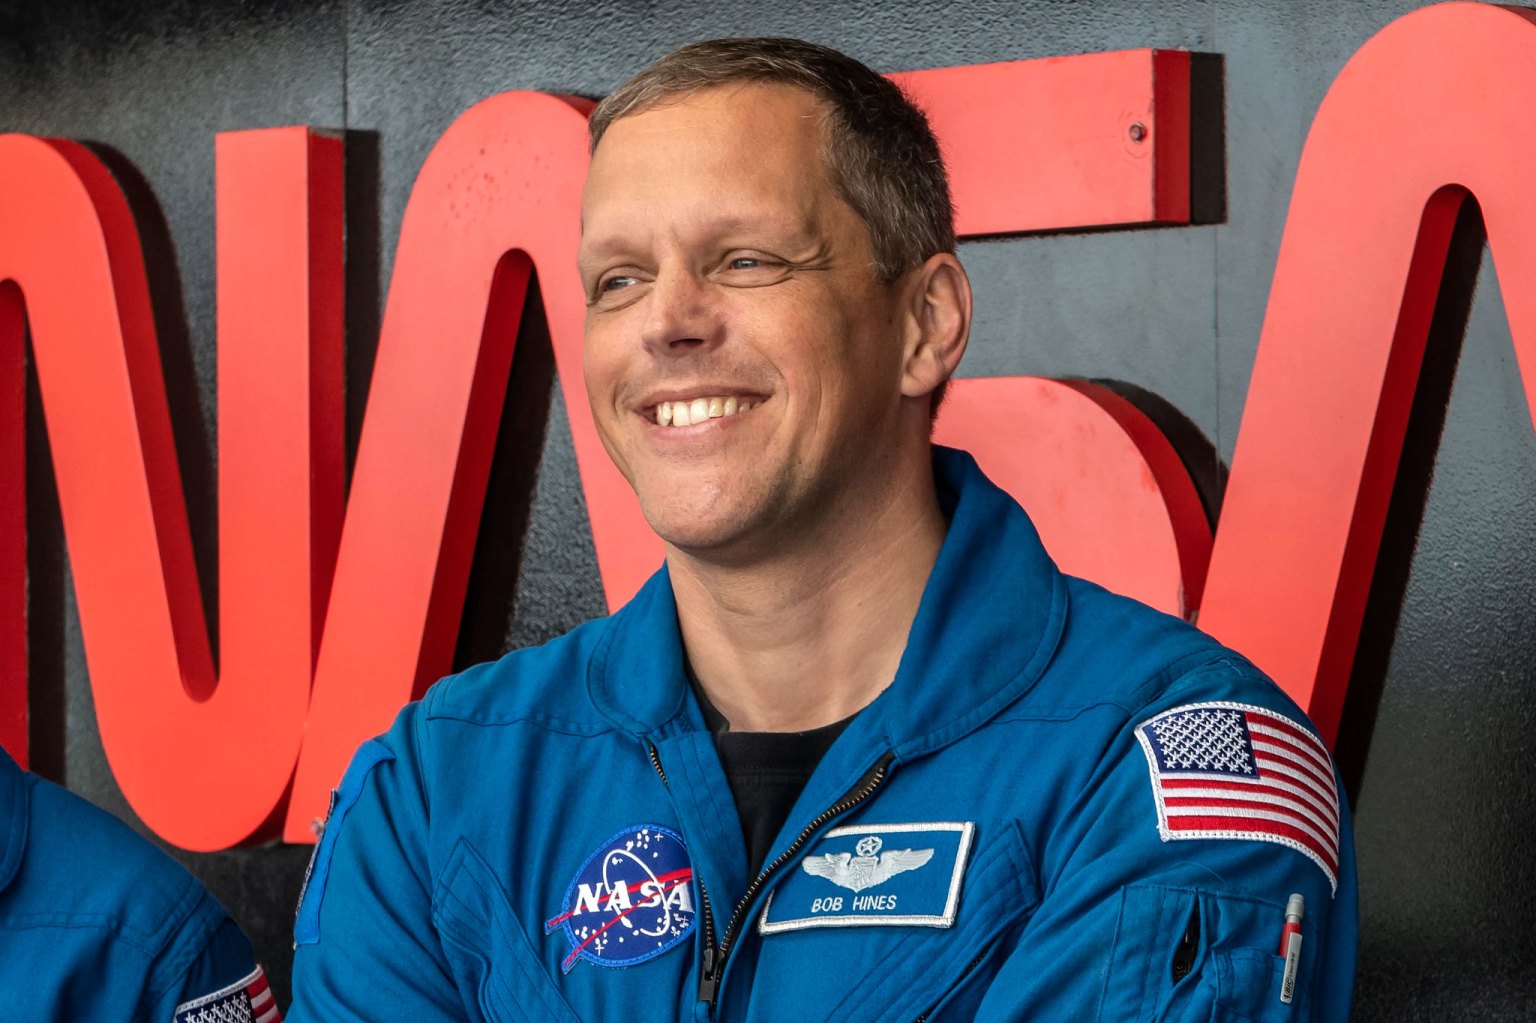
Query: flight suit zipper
(1188,948)
(712,966)
(709,918)
(958,981)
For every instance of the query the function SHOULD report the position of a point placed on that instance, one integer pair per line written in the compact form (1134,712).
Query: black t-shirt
(767,771)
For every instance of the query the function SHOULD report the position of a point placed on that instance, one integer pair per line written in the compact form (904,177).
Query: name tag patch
(874,875)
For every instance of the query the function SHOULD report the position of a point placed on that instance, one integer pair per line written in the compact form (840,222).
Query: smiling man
(724,268)
(858,751)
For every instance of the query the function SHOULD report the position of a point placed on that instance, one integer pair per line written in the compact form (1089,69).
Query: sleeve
(221,982)
(1167,879)
(364,943)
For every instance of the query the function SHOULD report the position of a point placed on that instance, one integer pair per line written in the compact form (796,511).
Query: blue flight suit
(96,924)
(1066,806)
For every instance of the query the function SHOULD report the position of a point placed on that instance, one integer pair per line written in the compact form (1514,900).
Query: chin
(695,537)
(705,533)
(698,514)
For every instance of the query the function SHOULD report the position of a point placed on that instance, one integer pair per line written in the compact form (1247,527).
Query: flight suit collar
(637,676)
(992,612)
(15,796)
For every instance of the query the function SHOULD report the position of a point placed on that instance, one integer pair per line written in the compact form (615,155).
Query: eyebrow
(796,232)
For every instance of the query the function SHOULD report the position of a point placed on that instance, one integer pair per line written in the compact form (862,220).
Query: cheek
(601,364)
(810,344)
(853,361)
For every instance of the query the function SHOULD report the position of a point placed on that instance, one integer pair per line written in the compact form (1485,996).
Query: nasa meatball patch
(630,901)
(874,875)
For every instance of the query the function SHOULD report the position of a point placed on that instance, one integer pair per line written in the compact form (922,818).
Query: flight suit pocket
(1194,956)
(1160,941)
(1248,985)
(489,952)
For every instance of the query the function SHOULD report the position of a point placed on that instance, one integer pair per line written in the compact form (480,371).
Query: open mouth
(693,411)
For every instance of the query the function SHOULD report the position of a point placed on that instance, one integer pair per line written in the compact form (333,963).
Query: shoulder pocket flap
(1188,953)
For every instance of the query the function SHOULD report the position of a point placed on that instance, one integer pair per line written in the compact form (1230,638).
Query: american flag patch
(245,1001)
(1232,770)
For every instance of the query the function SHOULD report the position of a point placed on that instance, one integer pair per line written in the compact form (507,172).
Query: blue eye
(745,263)
(614,283)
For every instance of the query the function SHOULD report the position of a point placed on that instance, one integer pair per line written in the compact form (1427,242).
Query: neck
(815,631)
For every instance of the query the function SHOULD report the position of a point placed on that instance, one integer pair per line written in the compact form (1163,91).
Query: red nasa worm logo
(631,900)
(324,632)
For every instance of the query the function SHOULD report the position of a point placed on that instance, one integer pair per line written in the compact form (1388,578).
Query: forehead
(738,150)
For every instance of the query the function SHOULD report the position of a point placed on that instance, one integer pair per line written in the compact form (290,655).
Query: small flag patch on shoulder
(1233,770)
(248,1000)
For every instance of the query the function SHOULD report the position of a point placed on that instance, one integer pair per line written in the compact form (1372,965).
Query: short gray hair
(880,153)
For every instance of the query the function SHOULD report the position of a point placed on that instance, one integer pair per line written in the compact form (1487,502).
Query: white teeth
(697,410)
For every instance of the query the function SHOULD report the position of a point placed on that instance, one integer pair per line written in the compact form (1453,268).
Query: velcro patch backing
(306,925)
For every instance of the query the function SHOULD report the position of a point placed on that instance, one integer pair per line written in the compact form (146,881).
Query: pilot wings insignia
(867,869)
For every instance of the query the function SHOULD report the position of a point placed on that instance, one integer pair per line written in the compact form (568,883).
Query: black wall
(1440,736)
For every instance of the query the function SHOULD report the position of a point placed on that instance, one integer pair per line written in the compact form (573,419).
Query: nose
(681,314)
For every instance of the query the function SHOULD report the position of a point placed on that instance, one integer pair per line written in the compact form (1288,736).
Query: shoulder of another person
(208,996)
(92,862)
(152,926)
(212,975)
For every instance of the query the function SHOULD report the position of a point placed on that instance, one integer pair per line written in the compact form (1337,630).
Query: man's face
(723,272)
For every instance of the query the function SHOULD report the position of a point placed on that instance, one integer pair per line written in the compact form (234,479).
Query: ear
(937,309)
